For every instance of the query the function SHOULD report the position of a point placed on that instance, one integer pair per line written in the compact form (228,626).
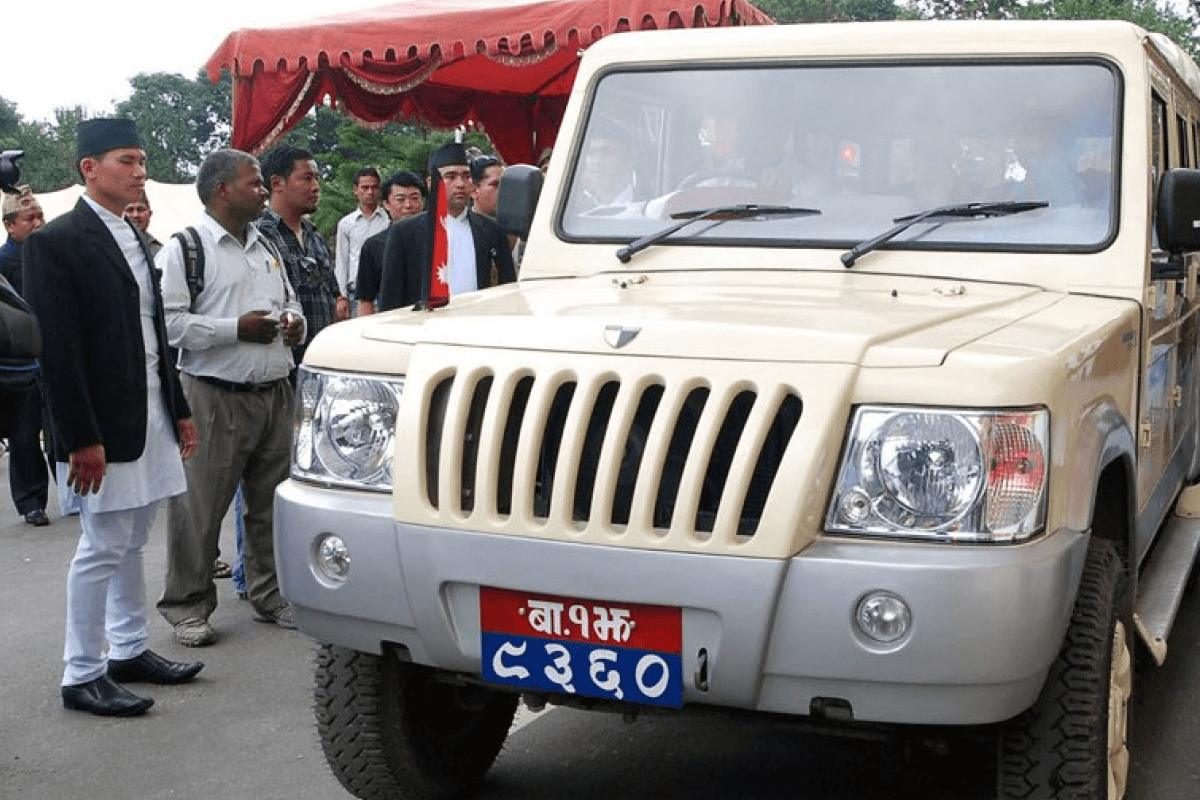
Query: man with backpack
(234,316)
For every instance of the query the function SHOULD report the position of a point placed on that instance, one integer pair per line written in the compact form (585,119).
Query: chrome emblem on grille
(618,336)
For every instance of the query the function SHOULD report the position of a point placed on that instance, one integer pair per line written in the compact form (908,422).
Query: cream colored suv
(851,375)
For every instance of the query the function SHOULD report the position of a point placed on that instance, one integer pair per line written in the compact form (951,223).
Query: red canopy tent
(504,65)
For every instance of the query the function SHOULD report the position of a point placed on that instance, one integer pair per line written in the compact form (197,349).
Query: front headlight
(943,474)
(345,429)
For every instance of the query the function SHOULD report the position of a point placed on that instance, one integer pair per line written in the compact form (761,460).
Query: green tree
(181,121)
(787,11)
(10,124)
(49,163)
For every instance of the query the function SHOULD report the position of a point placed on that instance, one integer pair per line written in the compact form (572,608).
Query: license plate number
(617,651)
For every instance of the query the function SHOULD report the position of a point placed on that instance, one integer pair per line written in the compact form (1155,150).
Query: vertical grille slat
(514,419)
(634,444)
(472,435)
(435,418)
(766,467)
(654,457)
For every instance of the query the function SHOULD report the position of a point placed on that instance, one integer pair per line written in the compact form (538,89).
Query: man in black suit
(120,419)
(477,248)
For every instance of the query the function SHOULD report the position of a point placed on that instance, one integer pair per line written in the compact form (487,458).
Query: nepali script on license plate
(616,651)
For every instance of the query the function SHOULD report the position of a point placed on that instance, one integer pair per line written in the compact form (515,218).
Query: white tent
(173,206)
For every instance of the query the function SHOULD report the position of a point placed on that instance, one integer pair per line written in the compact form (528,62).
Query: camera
(10,170)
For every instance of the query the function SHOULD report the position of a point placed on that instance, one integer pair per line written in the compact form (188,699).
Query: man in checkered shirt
(294,183)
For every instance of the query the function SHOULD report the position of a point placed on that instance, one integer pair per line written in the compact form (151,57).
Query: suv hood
(865,319)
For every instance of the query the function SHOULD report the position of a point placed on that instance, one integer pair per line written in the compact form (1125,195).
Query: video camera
(10,170)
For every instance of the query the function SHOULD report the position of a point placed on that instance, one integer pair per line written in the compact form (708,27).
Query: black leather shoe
(104,698)
(153,668)
(37,518)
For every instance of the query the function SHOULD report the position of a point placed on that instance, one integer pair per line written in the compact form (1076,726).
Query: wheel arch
(1103,480)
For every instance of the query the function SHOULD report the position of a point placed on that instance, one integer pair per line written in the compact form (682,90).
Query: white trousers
(106,591)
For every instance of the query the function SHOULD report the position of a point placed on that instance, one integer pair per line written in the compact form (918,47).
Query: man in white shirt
(354,228)
(120,418)
(234,338)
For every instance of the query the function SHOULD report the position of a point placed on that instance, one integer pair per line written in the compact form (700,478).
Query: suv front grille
(646,454)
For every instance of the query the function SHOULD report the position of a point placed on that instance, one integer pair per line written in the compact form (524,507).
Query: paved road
(244,729)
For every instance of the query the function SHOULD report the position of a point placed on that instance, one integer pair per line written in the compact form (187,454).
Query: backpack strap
(193,261)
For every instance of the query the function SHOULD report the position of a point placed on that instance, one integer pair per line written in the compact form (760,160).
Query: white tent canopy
(173,206)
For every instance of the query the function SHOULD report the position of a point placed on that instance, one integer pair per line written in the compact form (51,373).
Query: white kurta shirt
(158,473)
(463,276)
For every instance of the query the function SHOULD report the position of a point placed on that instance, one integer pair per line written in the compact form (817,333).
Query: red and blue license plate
(616,651)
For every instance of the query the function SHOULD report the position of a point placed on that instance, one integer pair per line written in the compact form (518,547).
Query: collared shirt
(238,279)
(463,275)
(352,230)
(309,268)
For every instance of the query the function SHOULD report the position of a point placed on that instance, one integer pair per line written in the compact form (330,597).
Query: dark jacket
(406,257)
(93,361)
(10,264)
(370,266)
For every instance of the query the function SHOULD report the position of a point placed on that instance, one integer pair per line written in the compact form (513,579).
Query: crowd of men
(167,370)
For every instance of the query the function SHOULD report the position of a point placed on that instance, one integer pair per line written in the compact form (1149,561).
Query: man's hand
(188,438)
(343,309)
(85,469)
(293,329)
(257,327)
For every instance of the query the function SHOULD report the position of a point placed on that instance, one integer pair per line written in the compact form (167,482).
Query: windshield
(864,145)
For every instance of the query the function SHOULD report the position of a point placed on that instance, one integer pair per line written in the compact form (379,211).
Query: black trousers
(28,475)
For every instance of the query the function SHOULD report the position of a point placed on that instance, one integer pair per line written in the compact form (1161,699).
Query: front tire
(391,729)
(1073,743)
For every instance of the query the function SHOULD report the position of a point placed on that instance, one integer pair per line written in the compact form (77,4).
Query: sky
(65,53)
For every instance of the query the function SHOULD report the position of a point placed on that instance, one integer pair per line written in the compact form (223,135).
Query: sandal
(221,569)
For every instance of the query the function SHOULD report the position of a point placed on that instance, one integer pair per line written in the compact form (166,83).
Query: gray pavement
(243,729)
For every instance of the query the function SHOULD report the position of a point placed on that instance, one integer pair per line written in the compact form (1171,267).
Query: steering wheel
(729,177)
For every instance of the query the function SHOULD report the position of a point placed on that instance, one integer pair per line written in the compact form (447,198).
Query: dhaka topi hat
(448,155)
(97,136)
(16,203)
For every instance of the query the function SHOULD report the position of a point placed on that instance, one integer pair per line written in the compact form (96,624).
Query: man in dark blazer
(409,249)
(120,419)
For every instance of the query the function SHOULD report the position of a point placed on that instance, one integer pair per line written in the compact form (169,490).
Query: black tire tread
(1057,749)
(373,737)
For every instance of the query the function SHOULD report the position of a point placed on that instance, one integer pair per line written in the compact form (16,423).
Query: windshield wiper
(719,214)
(955,212)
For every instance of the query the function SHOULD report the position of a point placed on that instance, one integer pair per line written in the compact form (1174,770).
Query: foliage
(786,11)
(181,121)
(1180,26)
(49,163)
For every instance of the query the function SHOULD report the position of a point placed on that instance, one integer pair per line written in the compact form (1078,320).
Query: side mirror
(1177,218)
(520,187)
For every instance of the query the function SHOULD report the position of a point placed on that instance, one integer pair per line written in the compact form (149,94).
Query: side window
(1184,140)
(1158,148)
(1158,134)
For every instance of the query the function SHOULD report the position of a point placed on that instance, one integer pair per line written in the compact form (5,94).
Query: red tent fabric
(503,65)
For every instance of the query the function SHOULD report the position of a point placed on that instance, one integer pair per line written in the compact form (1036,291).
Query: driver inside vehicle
(607,175)
(725,152)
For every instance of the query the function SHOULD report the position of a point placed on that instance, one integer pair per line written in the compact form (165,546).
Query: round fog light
(883,617)
(332,557)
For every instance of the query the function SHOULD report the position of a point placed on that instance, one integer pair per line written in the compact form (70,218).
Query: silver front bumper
(779,635)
